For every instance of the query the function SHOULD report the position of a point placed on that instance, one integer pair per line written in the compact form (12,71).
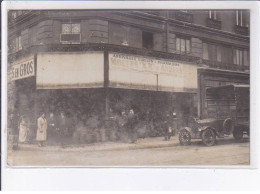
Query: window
(147,40)
(238,57)
(212,52)
(70,33)
(240,18)
(18,43)
(70,28)
(213,15)
(183,45)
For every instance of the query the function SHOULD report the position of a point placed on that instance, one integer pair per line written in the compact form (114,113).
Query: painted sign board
(147,73)
(70,70)
(22,69)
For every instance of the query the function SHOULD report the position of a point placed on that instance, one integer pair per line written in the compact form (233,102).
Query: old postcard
(128,88)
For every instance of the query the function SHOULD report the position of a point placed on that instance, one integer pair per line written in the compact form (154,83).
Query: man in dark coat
(63,129)
(52,128)
(130,125)
(167,126)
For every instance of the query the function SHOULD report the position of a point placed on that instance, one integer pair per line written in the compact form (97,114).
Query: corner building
(89,63)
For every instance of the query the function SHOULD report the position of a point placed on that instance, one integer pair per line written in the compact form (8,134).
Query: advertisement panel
(22,69)
(147,73)
(70,70)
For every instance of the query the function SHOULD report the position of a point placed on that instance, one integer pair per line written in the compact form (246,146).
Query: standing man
(131,123)
(63,129)
(52,129)
(41,136)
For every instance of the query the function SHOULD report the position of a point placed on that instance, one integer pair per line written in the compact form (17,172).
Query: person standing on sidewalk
(41,135)
(23,129)
(52,125)
(131,123)
(63,129)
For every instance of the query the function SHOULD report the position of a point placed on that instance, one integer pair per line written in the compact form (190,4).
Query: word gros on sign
(22,70)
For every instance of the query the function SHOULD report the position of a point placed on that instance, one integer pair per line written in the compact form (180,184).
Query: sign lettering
(22,70)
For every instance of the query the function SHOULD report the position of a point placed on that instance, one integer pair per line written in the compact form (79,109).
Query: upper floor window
(183,45)
(70,28)
(238,57)
(212,52)
(240,18)
(70,33)
(213,15)
(18,43)
(147,40)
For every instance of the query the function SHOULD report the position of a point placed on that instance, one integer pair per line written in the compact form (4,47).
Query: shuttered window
(212,52)
(237,57)
(183,45)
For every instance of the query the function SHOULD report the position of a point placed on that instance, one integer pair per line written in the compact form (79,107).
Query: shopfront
(92,84)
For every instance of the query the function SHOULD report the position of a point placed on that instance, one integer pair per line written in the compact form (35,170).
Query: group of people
(59,129)
(21,129)
(144,124)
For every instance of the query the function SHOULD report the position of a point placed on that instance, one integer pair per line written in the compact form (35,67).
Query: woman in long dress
(23,130)
(41,136)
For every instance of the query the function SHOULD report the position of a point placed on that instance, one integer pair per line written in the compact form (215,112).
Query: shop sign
(22,70)
(70,70)
(148,73)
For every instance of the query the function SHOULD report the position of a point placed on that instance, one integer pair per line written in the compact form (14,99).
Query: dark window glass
(147,40)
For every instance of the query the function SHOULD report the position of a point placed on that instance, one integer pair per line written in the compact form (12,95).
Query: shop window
(147,40)
(70,33)
(183,45)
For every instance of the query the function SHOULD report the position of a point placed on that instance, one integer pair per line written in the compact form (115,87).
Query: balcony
(241,30)
(184,16)
(212,23)
(225,66)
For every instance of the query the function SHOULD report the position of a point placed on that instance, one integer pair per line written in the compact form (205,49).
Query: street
(147,152)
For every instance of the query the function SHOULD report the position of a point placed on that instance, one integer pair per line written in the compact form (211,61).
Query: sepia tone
(128,87)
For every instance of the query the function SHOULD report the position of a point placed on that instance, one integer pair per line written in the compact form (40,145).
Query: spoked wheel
(238,134)
(185,137)
(209,137)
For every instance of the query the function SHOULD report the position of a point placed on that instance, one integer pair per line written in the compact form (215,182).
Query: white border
(129,178)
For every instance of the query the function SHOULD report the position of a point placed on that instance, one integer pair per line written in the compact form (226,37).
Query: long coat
(23,131)
(42,129)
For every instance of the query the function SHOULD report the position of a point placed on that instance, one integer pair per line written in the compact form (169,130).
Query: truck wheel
(238,134)
(185,137)
(208,137)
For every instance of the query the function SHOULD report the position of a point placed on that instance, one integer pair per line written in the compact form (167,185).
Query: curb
(91,148)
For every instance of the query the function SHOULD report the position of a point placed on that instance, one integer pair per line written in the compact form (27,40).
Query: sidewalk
(151,142)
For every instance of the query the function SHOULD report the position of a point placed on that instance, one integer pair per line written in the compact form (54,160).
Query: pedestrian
(41,135)
(131,123)
(52,126)
(167,128)
(23,129)
(63,129)
(121,121)
(13,131)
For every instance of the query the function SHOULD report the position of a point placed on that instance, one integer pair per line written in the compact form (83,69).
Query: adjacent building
(89,63)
